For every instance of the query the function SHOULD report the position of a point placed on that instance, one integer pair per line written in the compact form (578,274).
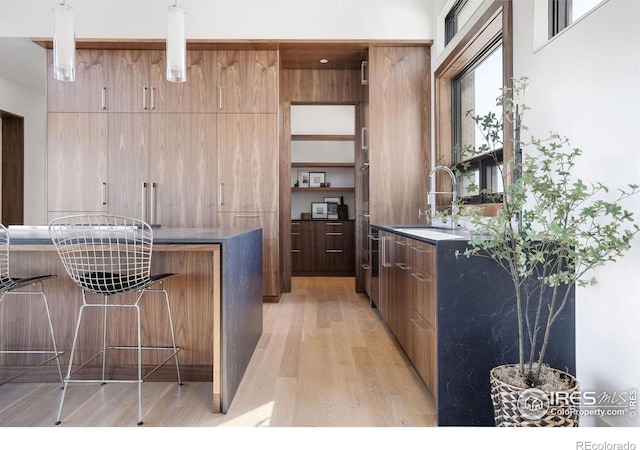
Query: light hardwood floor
(325,359)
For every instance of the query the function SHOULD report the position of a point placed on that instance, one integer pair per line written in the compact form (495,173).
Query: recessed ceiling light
(324,61)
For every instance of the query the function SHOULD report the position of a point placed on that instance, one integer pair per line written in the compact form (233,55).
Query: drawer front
(423,294)
(422,255)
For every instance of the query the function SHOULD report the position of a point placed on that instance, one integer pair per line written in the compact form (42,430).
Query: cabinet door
(130,87)
(182,162)
(77,146)
(302,247)
(398,87)
(400,300)
(129,165)
(85,94)
(247,163)
(248,81)
(197,95)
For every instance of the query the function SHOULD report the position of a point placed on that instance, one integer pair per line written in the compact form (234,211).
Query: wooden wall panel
(191,294)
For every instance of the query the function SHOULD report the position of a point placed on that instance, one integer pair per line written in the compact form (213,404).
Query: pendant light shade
(176,45)
(64,43)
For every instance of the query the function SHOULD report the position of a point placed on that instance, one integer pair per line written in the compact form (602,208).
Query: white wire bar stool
(31,286)
(110,256)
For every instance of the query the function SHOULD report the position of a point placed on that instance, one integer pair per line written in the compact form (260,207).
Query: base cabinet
(448,313)
(322,247)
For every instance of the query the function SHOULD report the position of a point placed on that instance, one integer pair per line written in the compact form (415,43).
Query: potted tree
(552,230)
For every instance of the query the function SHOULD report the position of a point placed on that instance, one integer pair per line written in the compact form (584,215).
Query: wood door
(130,86)
(247,163)
(85,94)
(77,148)
(129,165)
(197,95)
(248,81)
(181,167)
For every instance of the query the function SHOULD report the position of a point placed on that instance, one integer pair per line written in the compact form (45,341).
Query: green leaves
(553,228)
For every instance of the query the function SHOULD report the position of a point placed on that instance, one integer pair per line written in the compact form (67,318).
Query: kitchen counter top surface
(39,235)
(431,235)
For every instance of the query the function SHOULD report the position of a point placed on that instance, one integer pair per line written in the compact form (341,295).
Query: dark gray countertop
(423,233)
(39,235)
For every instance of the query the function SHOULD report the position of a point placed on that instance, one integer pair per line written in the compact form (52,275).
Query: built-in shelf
(323,189)
(322,164)
(323,137)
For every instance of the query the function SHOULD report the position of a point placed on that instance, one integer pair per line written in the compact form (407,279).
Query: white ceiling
(23,63)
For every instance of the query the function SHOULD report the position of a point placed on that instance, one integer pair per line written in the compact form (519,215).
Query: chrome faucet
(432,192)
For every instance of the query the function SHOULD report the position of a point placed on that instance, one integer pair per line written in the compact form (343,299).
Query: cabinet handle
(103,97)
(295,234)
(384,253)
(417,325)
(333,251)
(220,202)
(144,200)
(295,251)
(220,97)
(364,167)
(248,216)
(144,98)
(365,266)
(403,266)
(295,224)
(333,234)
(334,224)
(363,79)
(153,202)
(363,145)
(374,238)
(404,244)
(366,216)
(419,278)
(420,250)
(152,96)
(104,193)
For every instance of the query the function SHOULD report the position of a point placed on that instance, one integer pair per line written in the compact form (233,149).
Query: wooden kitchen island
(216,301)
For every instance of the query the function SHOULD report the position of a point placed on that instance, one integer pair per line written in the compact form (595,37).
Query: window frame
(495,21)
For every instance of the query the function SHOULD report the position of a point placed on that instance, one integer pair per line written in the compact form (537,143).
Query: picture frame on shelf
(303,178)
(332,211)
(316,179)
(319,210)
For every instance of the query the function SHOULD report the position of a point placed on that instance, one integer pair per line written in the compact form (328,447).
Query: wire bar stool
(10,286)
(110,256)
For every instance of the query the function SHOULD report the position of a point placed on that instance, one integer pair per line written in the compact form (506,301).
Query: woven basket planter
(517,407)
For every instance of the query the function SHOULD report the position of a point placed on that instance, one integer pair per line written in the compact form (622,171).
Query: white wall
(32,106)
(585,84)
(228,19)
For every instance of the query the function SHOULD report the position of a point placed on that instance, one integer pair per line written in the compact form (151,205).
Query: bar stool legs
(138,348)
(55,354)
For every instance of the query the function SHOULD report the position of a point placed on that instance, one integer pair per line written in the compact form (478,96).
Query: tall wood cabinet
(123,140)
(398,129)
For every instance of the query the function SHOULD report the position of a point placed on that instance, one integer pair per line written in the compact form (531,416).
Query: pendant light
(64,43)
(176,45)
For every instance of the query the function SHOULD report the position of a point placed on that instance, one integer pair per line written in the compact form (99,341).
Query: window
(563,13)
(471,77)
(451,20)
(475,89)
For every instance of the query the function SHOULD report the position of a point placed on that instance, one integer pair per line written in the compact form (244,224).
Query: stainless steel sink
(436,234)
